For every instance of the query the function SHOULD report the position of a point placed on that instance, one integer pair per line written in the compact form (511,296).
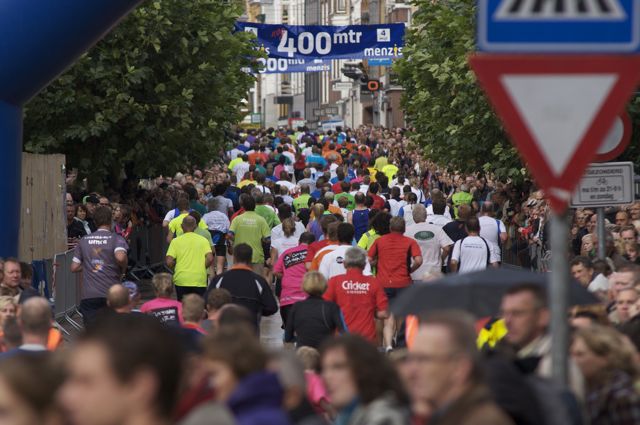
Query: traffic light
(373,85)
(369,86)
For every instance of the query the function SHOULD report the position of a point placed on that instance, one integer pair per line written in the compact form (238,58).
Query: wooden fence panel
(43,231)
(26,213)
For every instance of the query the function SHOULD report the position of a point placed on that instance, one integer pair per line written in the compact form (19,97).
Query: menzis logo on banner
(292,48)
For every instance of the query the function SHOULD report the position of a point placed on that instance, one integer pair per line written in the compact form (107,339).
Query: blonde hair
(192,308)
(611,345)
(318,211)
(162,284)
(6,300)
(288,227)
(310,358)
(314,283)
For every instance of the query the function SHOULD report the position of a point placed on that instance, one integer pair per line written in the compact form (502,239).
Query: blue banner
(380,62)
(315,42)
(281,65)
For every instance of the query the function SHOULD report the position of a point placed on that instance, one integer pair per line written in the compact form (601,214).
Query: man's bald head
(35,317)
(419,213)
(437,194)
(487,208)
(118,298)
(189,224)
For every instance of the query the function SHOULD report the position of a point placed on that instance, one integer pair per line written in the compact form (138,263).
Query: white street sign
(341,85)
(605,184)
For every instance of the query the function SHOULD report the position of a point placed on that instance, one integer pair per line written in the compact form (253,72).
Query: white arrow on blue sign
(559,26)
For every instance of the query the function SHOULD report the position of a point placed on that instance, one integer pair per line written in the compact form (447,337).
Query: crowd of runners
(321,232)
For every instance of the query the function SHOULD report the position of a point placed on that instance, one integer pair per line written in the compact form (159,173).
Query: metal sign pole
(538,56)
(601,233)
(558,296)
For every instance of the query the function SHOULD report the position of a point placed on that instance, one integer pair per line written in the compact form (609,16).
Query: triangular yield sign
(557,109)
(547,105)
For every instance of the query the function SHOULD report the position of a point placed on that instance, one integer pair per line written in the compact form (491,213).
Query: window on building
(393,78)
(341,6)
(283,112)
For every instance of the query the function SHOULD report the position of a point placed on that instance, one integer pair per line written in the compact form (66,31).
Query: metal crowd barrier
(52,279)
(508,255)
(147,248)
(525,258)
(67,291)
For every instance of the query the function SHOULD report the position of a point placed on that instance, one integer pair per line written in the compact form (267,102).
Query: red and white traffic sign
(558,110)
(616,140)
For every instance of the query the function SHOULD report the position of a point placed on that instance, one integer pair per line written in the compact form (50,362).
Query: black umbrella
(479,293)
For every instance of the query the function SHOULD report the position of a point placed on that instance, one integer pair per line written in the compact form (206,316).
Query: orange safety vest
(55,340)
(411,328)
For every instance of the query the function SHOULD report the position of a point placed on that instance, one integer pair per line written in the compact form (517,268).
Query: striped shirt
(216,221)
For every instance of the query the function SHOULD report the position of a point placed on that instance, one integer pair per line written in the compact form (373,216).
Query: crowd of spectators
(326,229)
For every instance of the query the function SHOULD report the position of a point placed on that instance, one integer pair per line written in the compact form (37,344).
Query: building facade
(324,99)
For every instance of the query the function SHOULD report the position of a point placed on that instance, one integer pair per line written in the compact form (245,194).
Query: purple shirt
(291,264)
(316,229)
(97,254)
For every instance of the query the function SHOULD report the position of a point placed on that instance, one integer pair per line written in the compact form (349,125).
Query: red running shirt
(359,297)
(394,253)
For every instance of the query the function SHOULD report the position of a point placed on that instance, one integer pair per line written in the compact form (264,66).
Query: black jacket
(312,320)
(249,290)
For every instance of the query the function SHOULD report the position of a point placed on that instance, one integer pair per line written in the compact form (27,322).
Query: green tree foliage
(155,95)
(453,120)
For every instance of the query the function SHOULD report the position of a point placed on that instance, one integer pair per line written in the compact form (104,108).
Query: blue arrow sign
(559,26)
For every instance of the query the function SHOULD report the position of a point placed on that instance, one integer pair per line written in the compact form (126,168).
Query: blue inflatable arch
(39,39)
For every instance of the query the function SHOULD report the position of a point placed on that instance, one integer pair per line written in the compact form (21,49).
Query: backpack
(486,244)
